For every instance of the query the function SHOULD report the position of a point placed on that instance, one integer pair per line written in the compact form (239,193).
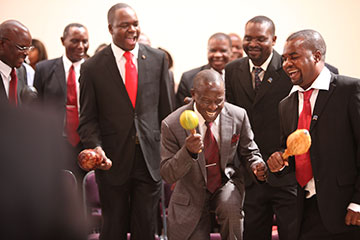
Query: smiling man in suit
(124,95)
(15,44)
(218,53)
(260,93)
(207,166)
(56,81)
(328,175)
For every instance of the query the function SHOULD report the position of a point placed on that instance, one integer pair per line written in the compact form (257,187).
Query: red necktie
(131,78)
(72,114)
(13,87)
(302,162)
(212,157)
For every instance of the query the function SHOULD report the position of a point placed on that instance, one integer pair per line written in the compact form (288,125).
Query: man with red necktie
(56,81)
(15,44)
(208,166)
(328,175)
(124,95)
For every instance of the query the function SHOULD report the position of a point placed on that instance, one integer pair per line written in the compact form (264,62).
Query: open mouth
(211,114)
(293,73)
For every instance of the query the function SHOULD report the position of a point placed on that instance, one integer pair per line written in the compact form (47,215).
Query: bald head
(15,40)
(209,94)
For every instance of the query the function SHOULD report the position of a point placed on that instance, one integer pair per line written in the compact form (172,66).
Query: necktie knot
(208,124)
(307,94)
(128,56)
(257,70)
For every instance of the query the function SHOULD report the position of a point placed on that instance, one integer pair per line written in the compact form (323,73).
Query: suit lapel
(321,102)
(226,131)
(247,84)
(142,71)
(59,74)
(3,96)
(271,76)
(110,64)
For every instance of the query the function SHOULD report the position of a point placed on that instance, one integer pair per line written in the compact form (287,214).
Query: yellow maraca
(189,120)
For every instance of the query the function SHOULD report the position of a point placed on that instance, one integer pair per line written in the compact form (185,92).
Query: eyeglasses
(20,48)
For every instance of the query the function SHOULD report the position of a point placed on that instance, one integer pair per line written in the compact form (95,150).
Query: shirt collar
(118,52)
(67,63)
(5,69)
(264,66)
(202,120)
(322,82)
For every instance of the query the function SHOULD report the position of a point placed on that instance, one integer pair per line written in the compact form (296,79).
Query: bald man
(15,44)
(187,159)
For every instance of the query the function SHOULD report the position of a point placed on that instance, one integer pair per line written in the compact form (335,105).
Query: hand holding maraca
(189,121)
(91,159)
(297,143)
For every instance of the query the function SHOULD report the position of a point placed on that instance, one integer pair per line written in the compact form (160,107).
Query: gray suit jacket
(187,200)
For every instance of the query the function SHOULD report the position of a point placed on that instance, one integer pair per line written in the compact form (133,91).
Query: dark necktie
(72,114)
(13,87)
(302,162)
(257,71)
(212,157)
(131,78)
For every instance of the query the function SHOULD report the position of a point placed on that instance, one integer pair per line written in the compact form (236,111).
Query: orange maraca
(297,143)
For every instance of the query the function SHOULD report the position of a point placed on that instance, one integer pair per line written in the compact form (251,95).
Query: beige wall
(183,27)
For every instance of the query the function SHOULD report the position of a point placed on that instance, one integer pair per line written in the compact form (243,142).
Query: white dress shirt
(5,71)
(67,64)
(121,60)
(264,67)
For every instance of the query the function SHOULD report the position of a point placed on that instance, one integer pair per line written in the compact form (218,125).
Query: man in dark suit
(219,53)
(52,80)
(328,175)
(187,162)
(15,44)
(122,121)
(276,196)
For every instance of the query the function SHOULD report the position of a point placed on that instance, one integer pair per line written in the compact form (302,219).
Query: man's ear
(62,40)
(317,56)
(110,28)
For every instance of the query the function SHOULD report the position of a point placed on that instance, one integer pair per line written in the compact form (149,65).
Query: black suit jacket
(262,108)
(335,155)
(108,119)
(50,82)
(186,83)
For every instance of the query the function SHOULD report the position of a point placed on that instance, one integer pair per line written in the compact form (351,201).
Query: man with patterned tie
(258,83)
(207,167)
(15,44)
(124,95)
(328,176)
(56,81)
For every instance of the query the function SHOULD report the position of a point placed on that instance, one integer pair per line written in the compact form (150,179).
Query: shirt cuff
(355,207)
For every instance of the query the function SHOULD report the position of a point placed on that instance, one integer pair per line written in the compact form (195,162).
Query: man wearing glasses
(15,44)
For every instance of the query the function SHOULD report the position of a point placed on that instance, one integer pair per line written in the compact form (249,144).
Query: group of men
(119,103)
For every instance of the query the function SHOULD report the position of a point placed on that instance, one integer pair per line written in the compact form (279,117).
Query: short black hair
(221,35)
(112,10)
(262,19)
(311,40)
(67,28)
